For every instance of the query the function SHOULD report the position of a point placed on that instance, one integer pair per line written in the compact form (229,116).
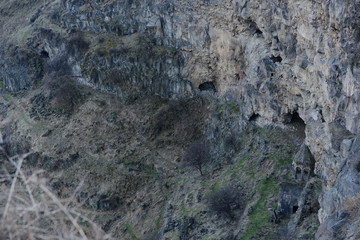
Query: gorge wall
(275,59)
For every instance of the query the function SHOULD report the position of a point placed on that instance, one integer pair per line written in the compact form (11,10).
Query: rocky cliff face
(278,60)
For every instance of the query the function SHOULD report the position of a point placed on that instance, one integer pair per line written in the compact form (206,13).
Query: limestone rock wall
(274,57)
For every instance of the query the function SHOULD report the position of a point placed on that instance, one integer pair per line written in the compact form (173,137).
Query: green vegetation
(129,230)
(1,85)
(22,34)
(37,126)
(259,217)
(7,97)
(231,106)
(160,217)
(225,202)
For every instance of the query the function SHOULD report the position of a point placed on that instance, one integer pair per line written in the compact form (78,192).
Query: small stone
(47,133)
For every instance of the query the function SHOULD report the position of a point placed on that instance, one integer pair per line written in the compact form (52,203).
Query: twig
(62,207)
(77,189)
(28,190)
(21,159)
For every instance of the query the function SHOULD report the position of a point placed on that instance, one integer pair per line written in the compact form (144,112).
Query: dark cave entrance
(358,167)
(296,119)
(207,86)
(294,209)
(297,123)
(44,54)
(253,117)
(254,29)
(276,59)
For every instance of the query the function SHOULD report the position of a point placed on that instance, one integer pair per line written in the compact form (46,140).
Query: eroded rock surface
(273,59)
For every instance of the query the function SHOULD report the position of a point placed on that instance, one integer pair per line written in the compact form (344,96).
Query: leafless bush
(78,42)
(100,53)
(62,89)
(225,202)
(169,115)
(54,14)
(59,65)
(352,205)
(116,77)
(119,51)
(196,155)
(231,142)
(29,210)
(152,235)
(67,94)
(59,84)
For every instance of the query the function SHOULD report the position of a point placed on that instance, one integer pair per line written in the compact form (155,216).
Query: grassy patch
(7,97)
(39,127)
(284,160)
(183,210)
(213,187)
(160,217)
(1,85)
(205,237)
(231,106)
(129,231)
(22,34)
(258,219)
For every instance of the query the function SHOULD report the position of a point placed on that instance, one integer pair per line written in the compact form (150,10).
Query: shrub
(67,94)
(225,202)
(231,142)
(119,51)
(116,77)
(79,43)
(59,84)
(100,53)
(196,155)
(166,118)
(58,65)
(54,14)
(152,235)
(63,90)
(101,40)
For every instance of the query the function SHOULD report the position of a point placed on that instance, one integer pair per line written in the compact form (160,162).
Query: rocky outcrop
(19,68)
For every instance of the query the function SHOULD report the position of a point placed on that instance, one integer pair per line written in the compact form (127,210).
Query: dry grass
(29,210)
(352,205)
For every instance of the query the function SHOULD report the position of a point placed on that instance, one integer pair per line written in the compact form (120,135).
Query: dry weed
(29,210)
(352,205)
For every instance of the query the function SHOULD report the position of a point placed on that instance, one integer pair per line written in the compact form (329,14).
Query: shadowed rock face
(264,51)
(289,198)
(272,57)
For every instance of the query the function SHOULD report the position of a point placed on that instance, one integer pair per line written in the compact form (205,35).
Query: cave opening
(298,173)
(295,118)
(322,116)
(258,31)
(297,123)
(358,166)
(295,208)
(276,59)
(254,29)
(254,117)
(44,54)
(207,86)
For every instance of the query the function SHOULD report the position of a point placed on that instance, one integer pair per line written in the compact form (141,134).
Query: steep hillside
(115,92)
